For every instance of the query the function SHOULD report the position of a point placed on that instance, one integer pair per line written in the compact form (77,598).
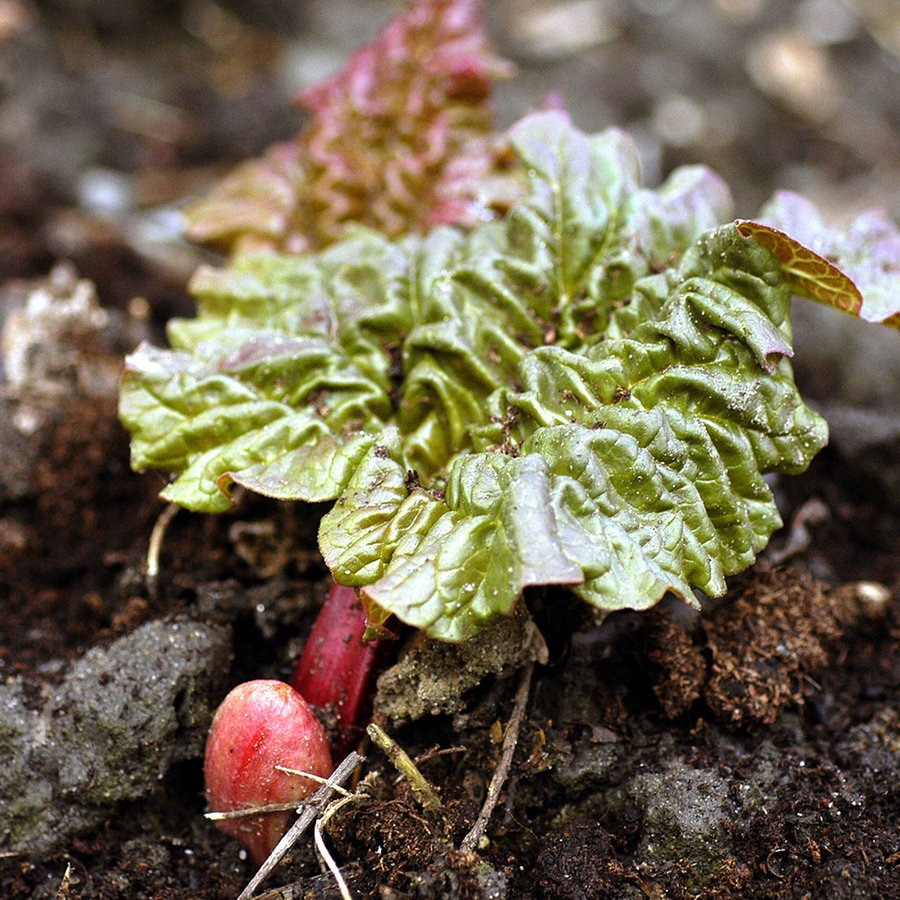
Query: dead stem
(399,758)
(155,545)
(474,838)
(295,805)
(62,891)
(317,778)
(813,512)
(255,810)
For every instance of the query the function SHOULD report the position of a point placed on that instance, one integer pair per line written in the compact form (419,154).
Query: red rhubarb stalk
(337,669)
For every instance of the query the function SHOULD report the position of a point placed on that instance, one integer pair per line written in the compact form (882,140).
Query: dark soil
(749,751)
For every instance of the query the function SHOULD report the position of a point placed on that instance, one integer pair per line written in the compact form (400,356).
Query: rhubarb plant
(585,390)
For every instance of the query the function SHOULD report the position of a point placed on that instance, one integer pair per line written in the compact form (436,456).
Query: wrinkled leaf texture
(587,393)
(401,139)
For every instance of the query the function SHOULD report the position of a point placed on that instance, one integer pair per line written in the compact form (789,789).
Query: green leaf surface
(587,393)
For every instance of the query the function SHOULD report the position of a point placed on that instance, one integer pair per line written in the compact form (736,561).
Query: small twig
(435,752)
(155,545)
(311,810)
(317,778)
(812,512)
(399,758)
(296,805)
(324,851)
(473,839)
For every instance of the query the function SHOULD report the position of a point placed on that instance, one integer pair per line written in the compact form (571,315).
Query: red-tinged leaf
(378,143)
(258,205)
(854,269)
(482,181)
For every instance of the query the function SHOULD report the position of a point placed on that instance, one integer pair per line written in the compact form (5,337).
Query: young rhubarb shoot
(259,726)
(337,669)
(586,391)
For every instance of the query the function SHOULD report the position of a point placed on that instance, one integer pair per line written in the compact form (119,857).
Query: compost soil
(749,751)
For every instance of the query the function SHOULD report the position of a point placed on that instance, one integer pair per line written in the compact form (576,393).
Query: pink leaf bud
(260,725)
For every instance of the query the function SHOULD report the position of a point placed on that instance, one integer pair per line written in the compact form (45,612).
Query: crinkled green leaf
(855,269)
(213,429)
(587,393)
(637,464)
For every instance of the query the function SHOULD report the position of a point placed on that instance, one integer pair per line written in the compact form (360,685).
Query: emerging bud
(260,725)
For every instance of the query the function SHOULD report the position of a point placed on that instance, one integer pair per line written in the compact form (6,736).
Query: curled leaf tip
(808,273)
(855,269)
